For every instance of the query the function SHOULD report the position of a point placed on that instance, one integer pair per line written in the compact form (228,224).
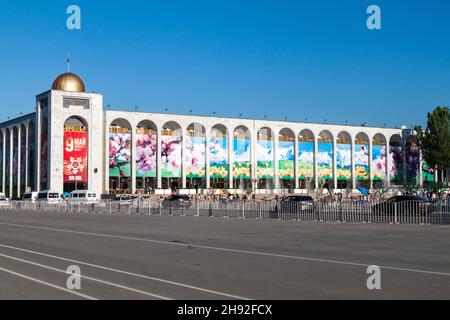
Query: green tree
(434,141)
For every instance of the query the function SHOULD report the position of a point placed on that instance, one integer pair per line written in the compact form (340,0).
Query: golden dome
(68,82)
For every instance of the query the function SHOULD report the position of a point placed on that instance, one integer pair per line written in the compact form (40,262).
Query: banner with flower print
(379,162)
(171,156)
(265,156)
(1,165)
(218,157)
(146,155)
(412,163)
(362,162)
(120,155)
(75,156)
(306,160)
(344,161)
(286,162)
(325,161)
(241,164)
(195,157)
(427,173)
(396,160)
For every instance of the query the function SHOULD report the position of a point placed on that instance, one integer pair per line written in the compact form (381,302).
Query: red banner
(75,157)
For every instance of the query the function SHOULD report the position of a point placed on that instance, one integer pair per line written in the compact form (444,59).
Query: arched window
(195,157)
(120,157)
(31,157)
(379,161)
(362,154)
(325,159)
(286,159)
(171,161)
(344,160)
(265,157)
(146,157)
(396,160)
(306,159)
(219,157)
(242,159)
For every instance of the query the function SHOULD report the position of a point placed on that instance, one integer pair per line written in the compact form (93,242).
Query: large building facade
(71,142)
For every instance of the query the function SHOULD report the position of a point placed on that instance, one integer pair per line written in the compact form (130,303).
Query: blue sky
(300,59)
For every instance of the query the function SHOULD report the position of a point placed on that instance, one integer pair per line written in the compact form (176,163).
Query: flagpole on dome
(68,62)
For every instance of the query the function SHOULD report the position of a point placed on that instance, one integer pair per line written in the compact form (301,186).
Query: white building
(71,142)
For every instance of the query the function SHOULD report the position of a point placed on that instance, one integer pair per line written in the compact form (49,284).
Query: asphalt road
(162,257)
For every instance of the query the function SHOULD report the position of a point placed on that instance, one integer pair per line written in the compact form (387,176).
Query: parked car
(30,196)
(295,204)
(4,203)
(82,197)
(123,199)
(403,205)
(50,197)
(179,201)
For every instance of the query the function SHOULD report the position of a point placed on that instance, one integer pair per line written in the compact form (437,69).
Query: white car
(83,197)
(50,197)
(4,203)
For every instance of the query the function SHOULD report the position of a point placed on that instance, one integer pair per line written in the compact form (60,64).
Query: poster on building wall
(120,155)
(306,160)
(427,173)
(379,162)
(218,157)
(76,157)
(286,162)
(362,162)
(195,157)
(396,160)
(241,165)
(146,159)
(171,156)
(265,159)
(1,165)
(344,161)
(412,163)
(325,161)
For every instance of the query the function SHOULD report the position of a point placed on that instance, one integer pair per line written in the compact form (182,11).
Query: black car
(181,201)
(403,205)
(295,204)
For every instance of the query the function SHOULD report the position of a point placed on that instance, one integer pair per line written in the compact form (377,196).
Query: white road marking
(87,278)
(258,253)
(178,284)
(47,284)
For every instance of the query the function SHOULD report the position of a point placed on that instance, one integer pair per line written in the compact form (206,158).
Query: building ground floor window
(266,184)
(287,184)
(307,184)
(196,184)
(344,184)
(219,183)
(242,184)
(120,185)
(173,184)
(146,185)
(74,186)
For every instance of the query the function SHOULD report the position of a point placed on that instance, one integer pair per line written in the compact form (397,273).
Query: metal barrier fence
(408,212)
